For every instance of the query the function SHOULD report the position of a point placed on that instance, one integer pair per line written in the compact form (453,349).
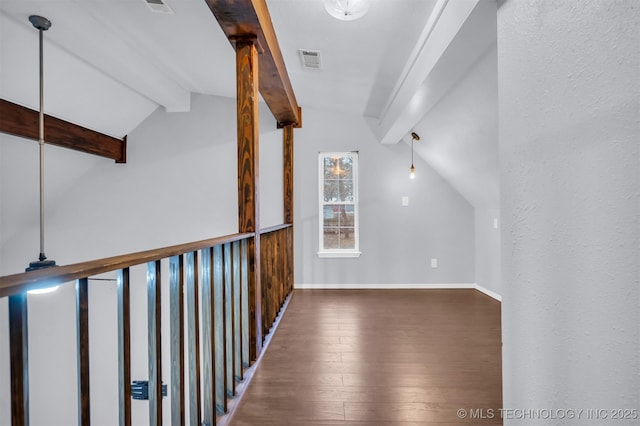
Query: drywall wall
(569,132)
(179,185)
(459,139)
(460,134)
(396,242)
(487,240)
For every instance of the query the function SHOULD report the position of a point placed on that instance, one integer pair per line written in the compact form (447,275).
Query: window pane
(331,215)
(347,238)
(331,238)
(331,190)
(346,190)
(348,219)
(331,167)
(346,168)
(338,168)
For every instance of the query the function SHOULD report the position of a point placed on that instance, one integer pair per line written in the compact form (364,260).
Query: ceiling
(109,64)
(361,59)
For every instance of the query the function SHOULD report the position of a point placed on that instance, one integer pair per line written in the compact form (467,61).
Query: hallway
(379,357)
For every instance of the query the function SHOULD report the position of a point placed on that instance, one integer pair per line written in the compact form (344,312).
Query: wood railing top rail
(274,228)
(17,283)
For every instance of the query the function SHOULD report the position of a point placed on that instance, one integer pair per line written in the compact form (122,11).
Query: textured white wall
(487,238)
(569,96)
(178,186)
(460,134)
(396,242)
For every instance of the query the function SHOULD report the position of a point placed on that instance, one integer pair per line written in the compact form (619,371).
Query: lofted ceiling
(109,64)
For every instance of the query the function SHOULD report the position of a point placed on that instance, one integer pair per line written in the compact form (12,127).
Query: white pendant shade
(346,10)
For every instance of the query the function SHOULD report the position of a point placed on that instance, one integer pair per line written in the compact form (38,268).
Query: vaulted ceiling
(109,64)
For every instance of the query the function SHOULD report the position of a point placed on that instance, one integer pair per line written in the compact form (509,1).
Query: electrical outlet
(405,201)
(434,263)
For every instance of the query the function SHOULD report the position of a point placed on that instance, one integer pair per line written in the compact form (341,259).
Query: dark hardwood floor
(379,357)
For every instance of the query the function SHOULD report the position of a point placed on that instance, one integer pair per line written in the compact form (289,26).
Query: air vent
(158,6)
(310,59)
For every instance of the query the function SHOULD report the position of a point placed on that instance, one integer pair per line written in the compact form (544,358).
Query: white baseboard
(445,286)
(488,292)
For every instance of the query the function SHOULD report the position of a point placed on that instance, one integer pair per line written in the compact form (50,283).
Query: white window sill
(337,254)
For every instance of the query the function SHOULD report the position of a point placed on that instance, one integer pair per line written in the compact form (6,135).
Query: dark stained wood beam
(22,121)
(250,19)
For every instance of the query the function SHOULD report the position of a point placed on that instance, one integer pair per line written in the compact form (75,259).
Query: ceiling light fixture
(41,24)
(412,170)
(346,10)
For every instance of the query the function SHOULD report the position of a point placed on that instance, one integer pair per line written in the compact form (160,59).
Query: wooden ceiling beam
(250,18)
(22,121)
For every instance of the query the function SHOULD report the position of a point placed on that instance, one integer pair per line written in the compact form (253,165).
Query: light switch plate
(434,263)
(405,201)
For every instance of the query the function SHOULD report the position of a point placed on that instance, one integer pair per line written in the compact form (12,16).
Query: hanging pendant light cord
(412,139)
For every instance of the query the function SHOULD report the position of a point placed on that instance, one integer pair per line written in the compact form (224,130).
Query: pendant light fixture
(412,170)
(41,24)
(346,10)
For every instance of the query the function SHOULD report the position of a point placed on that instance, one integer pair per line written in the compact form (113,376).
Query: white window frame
(333,252)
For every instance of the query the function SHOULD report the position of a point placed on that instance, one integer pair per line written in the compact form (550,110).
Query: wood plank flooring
(379,357)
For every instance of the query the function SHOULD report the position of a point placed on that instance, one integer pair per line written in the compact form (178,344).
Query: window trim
(338,253)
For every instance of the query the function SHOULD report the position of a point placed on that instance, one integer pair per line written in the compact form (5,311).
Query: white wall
(459,135)
(397,242)
(487,238)
(178,186)
(460,141)
(569,93)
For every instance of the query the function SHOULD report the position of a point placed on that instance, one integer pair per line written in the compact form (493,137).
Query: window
(338,224)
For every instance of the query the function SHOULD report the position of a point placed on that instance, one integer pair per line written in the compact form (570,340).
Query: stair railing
(209,292)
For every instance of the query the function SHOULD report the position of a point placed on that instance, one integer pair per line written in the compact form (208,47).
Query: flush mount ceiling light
(347,10)
(412,170)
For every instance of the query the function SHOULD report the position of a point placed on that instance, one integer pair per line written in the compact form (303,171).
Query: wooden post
(124,348)
(287,166)
(287,145)
(220,353)
(208,345)
(176,318)
(154,343)
(193,321)
(82,325)
(248,191)
(230,320)
(244,303)
(19,344)
(237,310)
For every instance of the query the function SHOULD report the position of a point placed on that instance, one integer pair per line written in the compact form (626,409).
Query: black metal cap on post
(40,22)
(40,264)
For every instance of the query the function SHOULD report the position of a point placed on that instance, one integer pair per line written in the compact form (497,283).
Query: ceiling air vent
(158,6)
(310,58)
